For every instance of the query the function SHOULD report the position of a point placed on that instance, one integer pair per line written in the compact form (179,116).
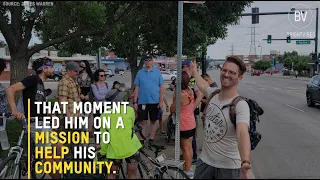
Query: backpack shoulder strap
(96,85)
(233,106)
(107,85)
(210,97)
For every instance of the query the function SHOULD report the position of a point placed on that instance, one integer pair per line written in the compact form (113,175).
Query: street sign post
(303,42)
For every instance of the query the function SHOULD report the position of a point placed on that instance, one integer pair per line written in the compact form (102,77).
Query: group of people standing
(226,149)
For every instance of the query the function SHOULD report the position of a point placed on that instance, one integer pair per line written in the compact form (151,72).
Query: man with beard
(226,149)
(33,89)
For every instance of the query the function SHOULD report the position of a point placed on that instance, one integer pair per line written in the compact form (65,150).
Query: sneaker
(163,133)
(189,174)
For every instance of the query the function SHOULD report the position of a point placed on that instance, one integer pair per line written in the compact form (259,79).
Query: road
(290,129)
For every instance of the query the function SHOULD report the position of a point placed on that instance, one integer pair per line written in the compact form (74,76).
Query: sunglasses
(103,75)
(148,60)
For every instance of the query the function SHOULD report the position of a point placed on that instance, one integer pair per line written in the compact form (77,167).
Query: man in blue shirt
(150,90)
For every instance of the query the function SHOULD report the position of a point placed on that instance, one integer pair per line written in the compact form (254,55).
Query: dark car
(57,75)
(313,91)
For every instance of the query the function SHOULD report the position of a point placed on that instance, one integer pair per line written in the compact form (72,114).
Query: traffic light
(288,39)
(319,57)
(313,56)
(269,38)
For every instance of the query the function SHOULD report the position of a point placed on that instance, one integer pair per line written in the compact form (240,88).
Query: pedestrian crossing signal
(269,39)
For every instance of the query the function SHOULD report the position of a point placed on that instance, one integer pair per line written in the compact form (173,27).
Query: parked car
(57,75)
(274,71)
(109,73)
(168,76)
(117,71)
(313,91)
(255,73)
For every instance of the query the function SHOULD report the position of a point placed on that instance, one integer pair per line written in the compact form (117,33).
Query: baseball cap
(73,66)
(114,95)
(186,62)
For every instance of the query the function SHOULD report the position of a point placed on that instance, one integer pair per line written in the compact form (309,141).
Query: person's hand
(81,96)
(245,171)
(18,115)
(135,107)
(194,69)
(160,105)
(86,97)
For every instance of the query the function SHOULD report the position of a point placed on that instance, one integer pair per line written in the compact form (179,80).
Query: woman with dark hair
(85,79)
(187,121)
(100,87)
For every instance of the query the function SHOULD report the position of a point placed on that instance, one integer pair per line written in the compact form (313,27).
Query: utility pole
(232,49)
(316,40)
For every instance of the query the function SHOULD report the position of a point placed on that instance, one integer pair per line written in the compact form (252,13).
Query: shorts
(151,111)
(134,159)
(187,134)
(204,171)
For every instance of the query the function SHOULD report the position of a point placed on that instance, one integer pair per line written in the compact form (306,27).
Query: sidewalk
(279,75)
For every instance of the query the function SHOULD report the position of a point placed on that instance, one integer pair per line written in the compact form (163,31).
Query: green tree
(152,29)
(59,23)
(262,65)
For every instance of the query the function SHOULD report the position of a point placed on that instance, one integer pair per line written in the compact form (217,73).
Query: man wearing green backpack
(124,144)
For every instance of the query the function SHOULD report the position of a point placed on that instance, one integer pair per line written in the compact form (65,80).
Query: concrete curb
(290,77)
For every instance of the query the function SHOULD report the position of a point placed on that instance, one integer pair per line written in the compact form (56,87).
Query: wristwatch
(245,161)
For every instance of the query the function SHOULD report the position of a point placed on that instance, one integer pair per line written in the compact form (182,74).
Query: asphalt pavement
(290,129)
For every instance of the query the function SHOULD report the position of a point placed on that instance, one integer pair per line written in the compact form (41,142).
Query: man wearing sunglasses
(150,90)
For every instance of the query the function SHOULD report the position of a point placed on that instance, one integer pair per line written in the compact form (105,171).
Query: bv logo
(298,15)
(302,16)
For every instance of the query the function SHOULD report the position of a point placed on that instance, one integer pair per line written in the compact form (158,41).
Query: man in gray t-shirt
(226,149)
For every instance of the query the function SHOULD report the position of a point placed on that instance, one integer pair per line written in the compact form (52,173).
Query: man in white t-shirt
(226,149)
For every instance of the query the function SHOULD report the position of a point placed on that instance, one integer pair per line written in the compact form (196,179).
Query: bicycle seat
(157,147)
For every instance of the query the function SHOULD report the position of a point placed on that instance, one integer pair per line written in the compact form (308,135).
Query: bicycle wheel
(34,175)
(8,166)
(174,173)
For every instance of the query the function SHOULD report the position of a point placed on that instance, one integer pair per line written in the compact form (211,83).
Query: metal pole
(99,59)
(261,53)
(178,88)
(203,63)
(316,39)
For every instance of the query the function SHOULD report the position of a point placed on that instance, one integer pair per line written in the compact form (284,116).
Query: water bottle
(3,135)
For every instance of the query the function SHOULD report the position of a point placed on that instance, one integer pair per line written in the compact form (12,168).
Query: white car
(168,76)
(109,73)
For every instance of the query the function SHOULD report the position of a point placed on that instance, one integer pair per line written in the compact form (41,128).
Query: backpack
(255,112)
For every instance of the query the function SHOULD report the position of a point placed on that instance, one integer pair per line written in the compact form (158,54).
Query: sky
(276,25)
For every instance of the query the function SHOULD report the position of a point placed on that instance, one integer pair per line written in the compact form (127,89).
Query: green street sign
(303,42)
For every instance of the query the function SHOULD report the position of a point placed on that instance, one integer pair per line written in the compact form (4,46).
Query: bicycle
(161,163)
(17,157)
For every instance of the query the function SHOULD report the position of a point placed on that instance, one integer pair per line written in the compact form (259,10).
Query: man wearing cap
(69,90)
(150,90)
(124,143)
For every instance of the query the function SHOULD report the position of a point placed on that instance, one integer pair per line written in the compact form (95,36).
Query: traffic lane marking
(295,108)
